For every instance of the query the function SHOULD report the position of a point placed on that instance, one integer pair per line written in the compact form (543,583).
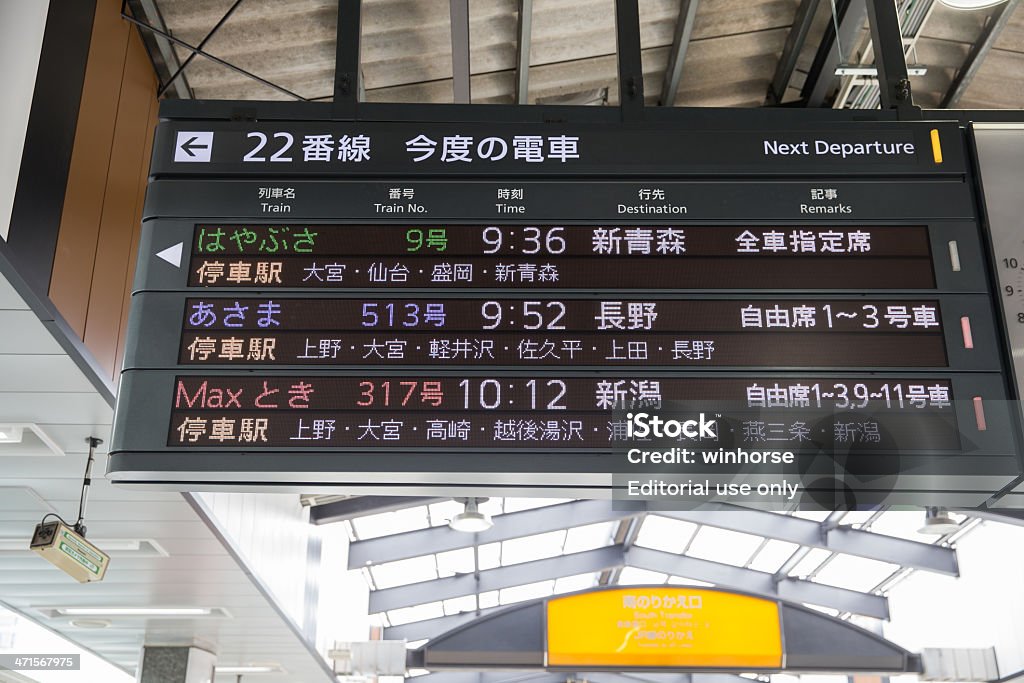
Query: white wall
(271,532)
(342,614)
(21,38)
(984,607)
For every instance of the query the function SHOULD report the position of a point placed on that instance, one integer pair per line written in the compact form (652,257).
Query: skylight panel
(722,545)
(662,533)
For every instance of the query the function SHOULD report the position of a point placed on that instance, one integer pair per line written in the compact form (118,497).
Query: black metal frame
(896,95)
(890,59)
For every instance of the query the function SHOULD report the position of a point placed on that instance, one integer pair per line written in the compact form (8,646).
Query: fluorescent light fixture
(134,611)
(28,437)
(11,433)
(251,669)
(115,547)
(971,4)
(872,71)
(471,520)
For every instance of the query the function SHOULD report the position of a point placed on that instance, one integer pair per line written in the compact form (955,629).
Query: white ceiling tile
(24,333)
(10,299)
(43,407)
(42,373)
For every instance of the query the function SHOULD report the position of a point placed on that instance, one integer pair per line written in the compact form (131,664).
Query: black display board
(426,307)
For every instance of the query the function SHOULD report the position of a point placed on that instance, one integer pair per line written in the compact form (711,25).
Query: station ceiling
(426,578)
(731,57)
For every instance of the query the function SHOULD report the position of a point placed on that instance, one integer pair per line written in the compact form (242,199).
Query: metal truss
(888,43)
(759,583)
(791,52)
(197,50)
(360,506)
(803,532)
(608,561)
(677,53)
(513,525)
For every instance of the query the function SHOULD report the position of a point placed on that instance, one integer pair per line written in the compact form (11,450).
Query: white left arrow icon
(193,146)
(172,254)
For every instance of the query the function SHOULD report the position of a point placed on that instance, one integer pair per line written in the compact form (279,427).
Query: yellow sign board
(663,626)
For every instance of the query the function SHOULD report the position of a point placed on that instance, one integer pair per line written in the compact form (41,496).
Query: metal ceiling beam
(1001,515)
(213,31)
(630,63)
(758,583)
(524,38)
(513,525)
(168,59)
(347,59)
(192,48)
(592,561)
(996,23)
(890,59)
(839,539)
(822,76)
(431,628)
(791,51)
(360,506)
(459,10)
(521,574)
(677,53)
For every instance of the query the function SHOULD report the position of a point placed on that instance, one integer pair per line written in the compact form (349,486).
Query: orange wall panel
(119,221)
(126,295)
(101,218)
(71,281)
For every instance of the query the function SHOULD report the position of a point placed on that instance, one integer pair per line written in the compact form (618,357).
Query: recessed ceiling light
(971,4)
(134,611)
(27,436)
(251,669)
(11,433)
(90,623)
(115,547)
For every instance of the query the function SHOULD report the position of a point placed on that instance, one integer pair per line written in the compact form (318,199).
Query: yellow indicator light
(936,146)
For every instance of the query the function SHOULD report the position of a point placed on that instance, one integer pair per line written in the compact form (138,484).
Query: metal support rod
(523,42)
(459,10)
(86,483)
(188,60)
(677,53)
(192,48)
(161,51)
(791,51)
(890,58)
(996,23)
(631,74)
(347,59)
(822,75)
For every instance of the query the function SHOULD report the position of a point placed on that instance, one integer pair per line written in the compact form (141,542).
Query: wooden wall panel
(99,231)
(71,280)
(119,221)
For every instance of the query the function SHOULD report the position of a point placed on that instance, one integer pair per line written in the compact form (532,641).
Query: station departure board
(465,318)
